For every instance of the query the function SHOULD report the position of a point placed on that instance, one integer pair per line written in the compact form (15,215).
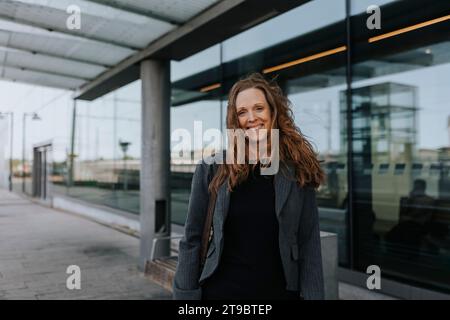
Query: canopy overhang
(37,47)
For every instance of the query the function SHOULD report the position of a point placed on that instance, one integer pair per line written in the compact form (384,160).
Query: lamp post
(34,116)
(124,146)
(11,115)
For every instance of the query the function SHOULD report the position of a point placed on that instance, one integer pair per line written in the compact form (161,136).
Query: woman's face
(253,113)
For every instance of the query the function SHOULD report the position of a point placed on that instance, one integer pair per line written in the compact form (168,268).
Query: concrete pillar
(155,159)
(329,247)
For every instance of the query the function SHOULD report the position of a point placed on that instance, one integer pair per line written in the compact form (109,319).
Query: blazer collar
(282,186)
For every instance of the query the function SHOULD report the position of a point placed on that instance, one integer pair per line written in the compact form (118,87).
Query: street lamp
(124,146)
(34,116)
(2,116)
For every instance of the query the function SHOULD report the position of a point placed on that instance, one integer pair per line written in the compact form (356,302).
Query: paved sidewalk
(37,244)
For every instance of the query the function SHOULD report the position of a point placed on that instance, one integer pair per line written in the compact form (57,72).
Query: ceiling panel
(111,28)
(177,10)
(40,78)
(20,59)
(76,49)
(36,46)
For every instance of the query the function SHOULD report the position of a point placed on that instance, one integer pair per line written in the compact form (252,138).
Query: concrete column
(155,159)
(329,247)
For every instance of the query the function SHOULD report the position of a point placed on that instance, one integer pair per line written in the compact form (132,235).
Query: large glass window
(196,107)
(317,114)
(108,149)
(401,145)
(44,123)
(313,86)
(193,118)
(396,123)
(306,18)
(4,169)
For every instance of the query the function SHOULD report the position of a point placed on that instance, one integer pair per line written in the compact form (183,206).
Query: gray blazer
(299,236)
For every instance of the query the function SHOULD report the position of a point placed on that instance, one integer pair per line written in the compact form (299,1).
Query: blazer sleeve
(311,281)
(185,284)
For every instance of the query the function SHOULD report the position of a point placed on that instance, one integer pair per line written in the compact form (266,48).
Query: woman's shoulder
(207,167)
(289,169)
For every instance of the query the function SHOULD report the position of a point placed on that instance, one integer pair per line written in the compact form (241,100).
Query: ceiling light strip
(305,59)
(408,29)
(210,87)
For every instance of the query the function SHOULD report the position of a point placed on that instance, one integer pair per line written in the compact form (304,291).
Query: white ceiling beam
(61,30)
(138,11)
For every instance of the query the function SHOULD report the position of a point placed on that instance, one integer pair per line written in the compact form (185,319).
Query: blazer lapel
(222,203)
(282,187)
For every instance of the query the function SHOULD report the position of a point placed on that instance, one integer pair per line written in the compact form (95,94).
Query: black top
(250,266)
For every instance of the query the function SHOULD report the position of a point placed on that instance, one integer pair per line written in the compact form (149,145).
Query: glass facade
(107,150)
(374,104)
(4,156)
(401,146)
(193,117)
(45,124)
(194,110)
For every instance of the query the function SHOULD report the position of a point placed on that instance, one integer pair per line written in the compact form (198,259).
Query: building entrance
(41,157)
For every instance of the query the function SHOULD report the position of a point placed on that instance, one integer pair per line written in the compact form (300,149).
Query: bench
(162,271)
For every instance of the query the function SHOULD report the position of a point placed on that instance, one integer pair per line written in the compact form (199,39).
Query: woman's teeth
(257,127)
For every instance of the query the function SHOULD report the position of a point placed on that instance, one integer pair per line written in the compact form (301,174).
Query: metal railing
(155,240)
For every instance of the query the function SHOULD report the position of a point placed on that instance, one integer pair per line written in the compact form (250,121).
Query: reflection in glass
(195,118)
(400,127)
(107,150)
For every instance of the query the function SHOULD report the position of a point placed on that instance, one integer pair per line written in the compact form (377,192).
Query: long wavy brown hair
(294,148)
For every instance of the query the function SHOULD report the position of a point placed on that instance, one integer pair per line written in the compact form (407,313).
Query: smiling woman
(265,243)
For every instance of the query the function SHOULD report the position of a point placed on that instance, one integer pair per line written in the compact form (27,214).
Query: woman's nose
(251,116)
